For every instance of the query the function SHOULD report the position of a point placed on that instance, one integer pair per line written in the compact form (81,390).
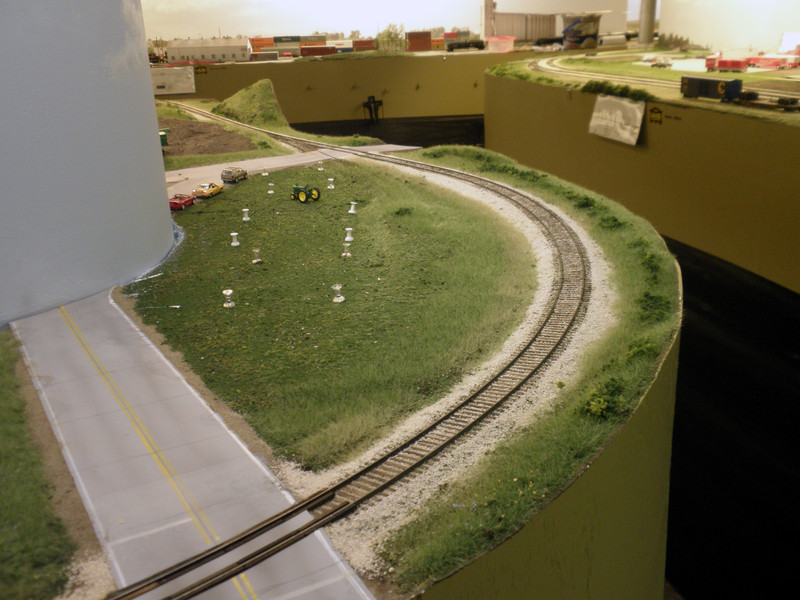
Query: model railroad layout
(566,304)
(690,86)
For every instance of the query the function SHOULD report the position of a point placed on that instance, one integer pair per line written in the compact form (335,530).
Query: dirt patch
(200,137)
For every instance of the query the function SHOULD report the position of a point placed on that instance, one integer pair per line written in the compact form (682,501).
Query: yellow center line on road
(197,515)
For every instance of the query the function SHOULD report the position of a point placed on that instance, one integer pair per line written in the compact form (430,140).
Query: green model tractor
(304,193)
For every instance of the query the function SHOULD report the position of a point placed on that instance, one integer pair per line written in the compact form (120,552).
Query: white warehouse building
(497,16)
(236,49)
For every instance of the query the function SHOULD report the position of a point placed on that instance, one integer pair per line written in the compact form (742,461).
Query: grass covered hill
(257,105)
(434,285)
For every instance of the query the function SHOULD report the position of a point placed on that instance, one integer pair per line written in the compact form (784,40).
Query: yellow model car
(208,189)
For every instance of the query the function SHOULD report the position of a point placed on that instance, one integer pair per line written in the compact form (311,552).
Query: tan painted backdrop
(605,536)
(442,84)
(722,183)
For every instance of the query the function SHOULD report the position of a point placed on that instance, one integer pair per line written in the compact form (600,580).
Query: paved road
(161,475)
(183,180)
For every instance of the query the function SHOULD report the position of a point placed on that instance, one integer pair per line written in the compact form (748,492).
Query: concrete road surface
(160,474)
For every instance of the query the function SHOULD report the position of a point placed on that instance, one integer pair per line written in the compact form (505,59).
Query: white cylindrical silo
(83,200)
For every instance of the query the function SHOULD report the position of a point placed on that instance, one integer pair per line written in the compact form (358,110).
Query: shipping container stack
(418,41)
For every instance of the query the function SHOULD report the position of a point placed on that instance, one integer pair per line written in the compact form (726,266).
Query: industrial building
(546,18)
(212,50)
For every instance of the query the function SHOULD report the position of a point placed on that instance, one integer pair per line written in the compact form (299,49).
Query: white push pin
(235,241)
(246,216)
(338,297)
(346,253)
(256,258)
(228,302)
(352,210)
(349,236)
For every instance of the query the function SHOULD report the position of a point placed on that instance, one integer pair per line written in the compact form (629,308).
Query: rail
(565,306)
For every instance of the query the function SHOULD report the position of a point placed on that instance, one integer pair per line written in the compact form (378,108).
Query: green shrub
(605,400)
(621,91)
(653,307)
(610,222)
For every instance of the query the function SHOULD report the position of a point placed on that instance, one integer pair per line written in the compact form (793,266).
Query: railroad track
(566,304)
(551,65)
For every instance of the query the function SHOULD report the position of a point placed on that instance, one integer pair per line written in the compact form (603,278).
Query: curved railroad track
(566,304)
(552,65)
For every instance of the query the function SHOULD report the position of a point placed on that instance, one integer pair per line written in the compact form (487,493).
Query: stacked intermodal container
(362,45)
(418,41)
(264,55)
(312,40)
(287,45)
(259,43)
(317,50)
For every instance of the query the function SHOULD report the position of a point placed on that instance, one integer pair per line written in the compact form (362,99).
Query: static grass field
(523,474)
(35,550)
(635,68)
(434,285)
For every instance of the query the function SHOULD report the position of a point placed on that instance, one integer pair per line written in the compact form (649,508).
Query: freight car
(717,63)
(773,61)
(711,87)
(466,44)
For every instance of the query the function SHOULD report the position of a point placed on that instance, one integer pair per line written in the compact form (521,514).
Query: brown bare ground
(201,137)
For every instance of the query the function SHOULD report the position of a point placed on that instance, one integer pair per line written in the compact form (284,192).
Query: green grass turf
(35,549)
(435,284)
(509,485)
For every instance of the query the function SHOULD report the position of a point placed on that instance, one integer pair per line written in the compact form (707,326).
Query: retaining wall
(722,183)
(430,85)
(605,536)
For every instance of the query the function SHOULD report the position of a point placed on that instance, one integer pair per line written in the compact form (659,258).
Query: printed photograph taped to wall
(173,80)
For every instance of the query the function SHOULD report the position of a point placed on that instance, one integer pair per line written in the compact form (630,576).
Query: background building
(506,18)
(213,50)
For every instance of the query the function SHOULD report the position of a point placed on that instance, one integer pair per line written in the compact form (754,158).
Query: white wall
(731,24)
(613,22)
(84,202)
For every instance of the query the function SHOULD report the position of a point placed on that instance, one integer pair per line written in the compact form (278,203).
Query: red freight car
(772,61)
(317,50)
(717,63)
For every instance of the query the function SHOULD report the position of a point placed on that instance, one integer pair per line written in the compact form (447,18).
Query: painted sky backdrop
(170,19)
